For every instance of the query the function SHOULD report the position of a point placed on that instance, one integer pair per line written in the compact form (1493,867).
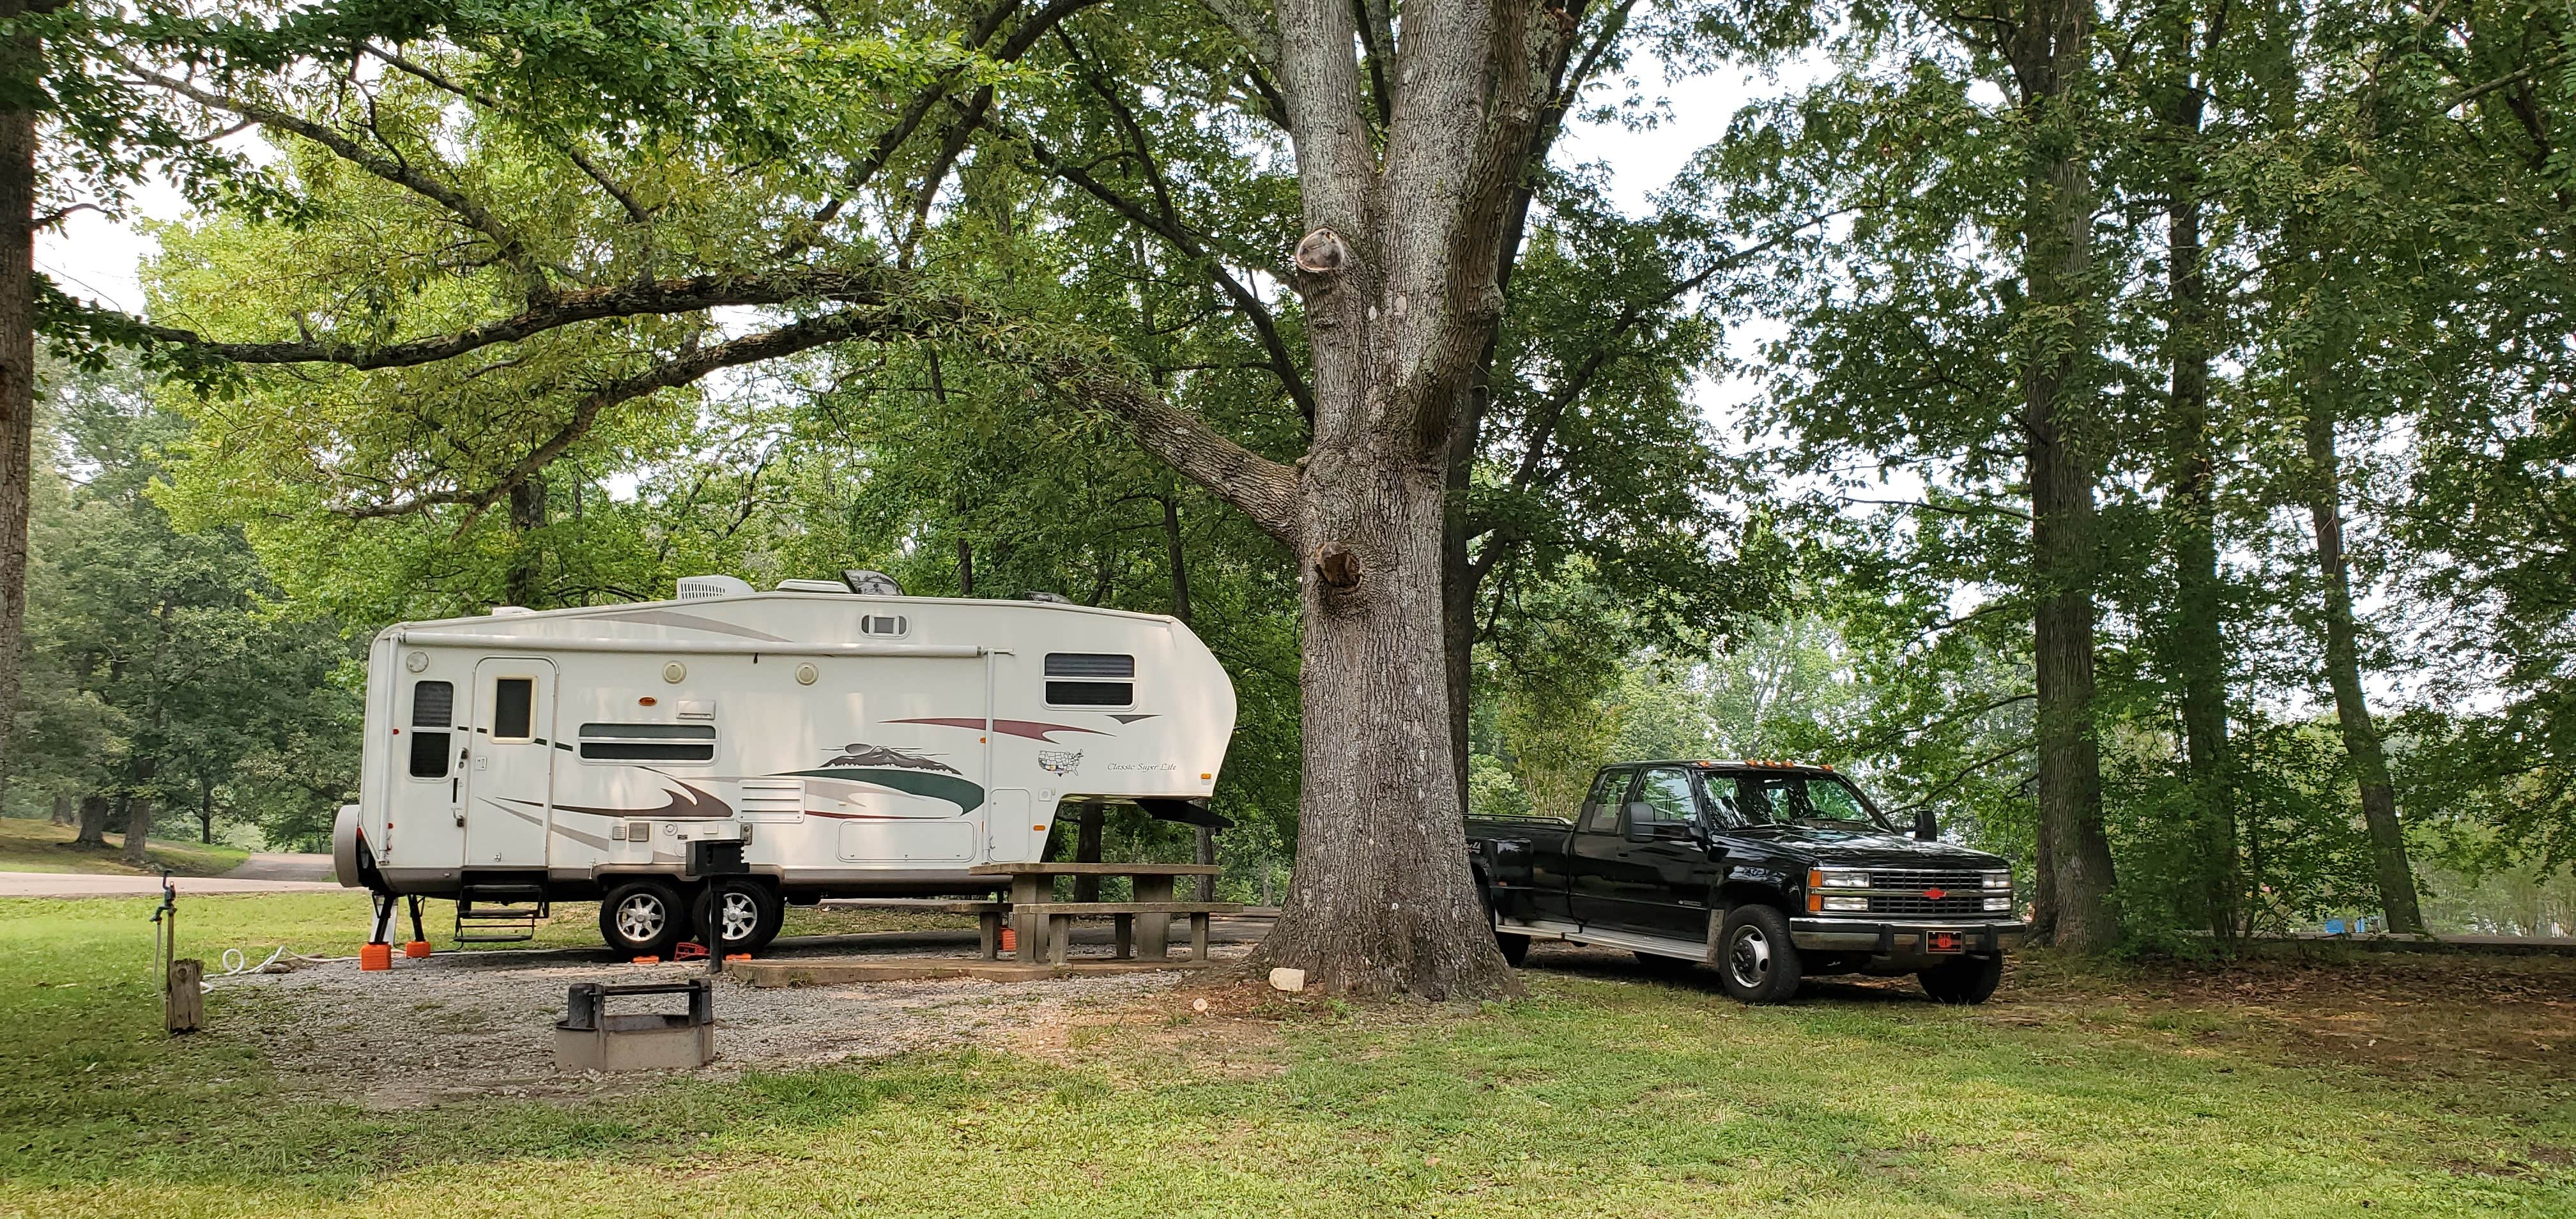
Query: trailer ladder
(499,914)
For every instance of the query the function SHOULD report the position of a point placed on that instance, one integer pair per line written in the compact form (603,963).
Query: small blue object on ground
(2334,926)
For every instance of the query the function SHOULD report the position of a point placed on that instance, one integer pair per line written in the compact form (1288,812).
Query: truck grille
(1962,893)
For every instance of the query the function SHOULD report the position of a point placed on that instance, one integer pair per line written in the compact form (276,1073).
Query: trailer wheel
(1967,980)
(641,918)
(1756,962)
(752,914)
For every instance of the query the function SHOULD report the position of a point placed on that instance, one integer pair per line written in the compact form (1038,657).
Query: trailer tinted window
(648,742)
(1090,679)
(514,707)
(432,704)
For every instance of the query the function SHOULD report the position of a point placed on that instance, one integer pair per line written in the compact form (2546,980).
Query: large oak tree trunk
(2394,874)
(93,822)
(138,829)
(2049,53)
(1382,901)
(1405,216)
(17,370)
(2196,637)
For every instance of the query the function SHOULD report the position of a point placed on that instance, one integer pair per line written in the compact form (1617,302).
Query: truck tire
(1964,981)
(641,918)
(1755,960)
(752,914)
(1515,948)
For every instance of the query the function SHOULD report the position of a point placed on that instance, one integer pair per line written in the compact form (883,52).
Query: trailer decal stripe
(1032,729)
(689,803)
(965,794)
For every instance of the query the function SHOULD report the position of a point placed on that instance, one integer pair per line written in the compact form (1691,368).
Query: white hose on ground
(236,964)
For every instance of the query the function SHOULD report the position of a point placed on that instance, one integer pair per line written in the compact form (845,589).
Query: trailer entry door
(509,772)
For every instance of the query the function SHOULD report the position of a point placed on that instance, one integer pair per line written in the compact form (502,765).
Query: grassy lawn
(29,845)
(1603,1092)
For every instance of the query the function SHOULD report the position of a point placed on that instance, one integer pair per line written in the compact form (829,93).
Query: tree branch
(1261,488)
(751,349)
(661,296)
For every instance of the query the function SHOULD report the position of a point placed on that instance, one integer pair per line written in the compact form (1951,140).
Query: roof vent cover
(812,586)
(692,588)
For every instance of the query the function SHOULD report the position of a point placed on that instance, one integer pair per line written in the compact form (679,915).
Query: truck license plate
(1943,941)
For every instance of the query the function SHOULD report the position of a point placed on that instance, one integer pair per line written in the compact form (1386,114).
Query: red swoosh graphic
(1031,729)
(688,802)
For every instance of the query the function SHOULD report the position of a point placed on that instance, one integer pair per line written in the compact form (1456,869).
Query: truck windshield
(1805,800)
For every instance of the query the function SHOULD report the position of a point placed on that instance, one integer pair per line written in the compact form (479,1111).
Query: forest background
(2298,503)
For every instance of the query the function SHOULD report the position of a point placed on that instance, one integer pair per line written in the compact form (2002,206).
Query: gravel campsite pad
(454,1027)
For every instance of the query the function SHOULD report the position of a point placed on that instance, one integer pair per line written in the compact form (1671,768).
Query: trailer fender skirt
(1188,812)
(353,862)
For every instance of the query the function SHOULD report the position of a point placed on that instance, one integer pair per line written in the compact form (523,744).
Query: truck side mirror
(1925,827)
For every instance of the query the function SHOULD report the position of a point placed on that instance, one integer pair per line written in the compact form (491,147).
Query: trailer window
(514,703)
(433,703)
(1090,679)
(648,742)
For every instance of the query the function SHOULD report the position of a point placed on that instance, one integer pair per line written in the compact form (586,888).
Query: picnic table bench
(1043,926)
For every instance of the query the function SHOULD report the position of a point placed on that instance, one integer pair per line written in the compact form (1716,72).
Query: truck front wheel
(1966,980)
(1756,962)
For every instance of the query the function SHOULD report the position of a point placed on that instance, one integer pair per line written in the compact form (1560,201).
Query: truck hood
(1827,846)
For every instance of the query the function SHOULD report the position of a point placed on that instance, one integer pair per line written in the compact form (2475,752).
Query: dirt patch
(460,1026)
(2446,1014)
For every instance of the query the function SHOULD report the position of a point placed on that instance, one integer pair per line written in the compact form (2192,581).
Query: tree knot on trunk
(1338,568)
(1322,253)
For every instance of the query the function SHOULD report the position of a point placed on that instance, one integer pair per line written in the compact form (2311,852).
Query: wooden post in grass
(184,1003)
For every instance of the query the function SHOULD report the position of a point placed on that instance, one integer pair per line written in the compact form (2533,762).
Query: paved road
(281,866)
(75,884)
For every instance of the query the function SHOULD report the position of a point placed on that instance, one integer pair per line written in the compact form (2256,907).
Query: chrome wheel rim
(641,917)
(1748,957)
(739,914)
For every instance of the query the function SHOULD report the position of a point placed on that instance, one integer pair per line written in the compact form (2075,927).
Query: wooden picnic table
(1033,884)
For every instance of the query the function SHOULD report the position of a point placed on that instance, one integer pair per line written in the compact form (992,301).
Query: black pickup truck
(1770,871)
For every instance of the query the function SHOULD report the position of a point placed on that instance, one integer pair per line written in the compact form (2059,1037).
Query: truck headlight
(1829,878)
(1846,901)
(1998,903)
(1999,880)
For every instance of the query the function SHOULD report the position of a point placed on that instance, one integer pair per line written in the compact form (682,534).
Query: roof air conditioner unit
(694,587)
(812,586)
(870,583)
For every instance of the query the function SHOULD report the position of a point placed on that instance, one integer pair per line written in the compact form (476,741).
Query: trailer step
(499,914)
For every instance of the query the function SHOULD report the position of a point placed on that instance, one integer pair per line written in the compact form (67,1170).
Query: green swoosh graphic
(966,795)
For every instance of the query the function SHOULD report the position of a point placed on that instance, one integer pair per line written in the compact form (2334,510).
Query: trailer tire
(641,918)
(1966,981)
(1755,960)
(753,914)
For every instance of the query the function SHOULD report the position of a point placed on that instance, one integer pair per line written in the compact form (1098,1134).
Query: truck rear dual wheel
(1963,981)
(1756,963)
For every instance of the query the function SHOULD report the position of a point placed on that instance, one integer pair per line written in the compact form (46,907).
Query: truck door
(1552,857)
(509,764)
(1663,886)
(1593,853)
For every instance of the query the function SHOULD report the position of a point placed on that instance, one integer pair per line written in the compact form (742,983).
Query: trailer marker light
(1205,775)
(646,701)
(1039,828)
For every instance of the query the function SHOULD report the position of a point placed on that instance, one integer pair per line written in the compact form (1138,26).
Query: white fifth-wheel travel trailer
(749,749)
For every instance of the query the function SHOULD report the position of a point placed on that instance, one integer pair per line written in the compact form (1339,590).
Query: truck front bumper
(1909,937)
